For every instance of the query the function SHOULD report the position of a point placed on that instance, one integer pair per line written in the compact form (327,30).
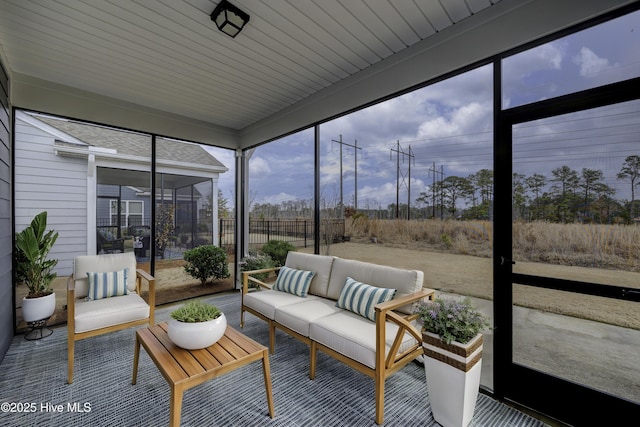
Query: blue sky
(449,125)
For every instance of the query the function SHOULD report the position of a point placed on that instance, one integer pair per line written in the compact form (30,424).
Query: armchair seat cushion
(354,336)
(96,314)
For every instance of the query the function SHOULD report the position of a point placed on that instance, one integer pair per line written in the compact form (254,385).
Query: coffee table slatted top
(178,365)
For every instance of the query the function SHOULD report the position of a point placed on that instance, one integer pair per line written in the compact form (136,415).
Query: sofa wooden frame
(394,361)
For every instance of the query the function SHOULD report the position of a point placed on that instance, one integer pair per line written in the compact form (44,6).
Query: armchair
(108,242)
(103,305)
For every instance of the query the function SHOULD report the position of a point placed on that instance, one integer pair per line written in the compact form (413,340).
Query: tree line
(566,196)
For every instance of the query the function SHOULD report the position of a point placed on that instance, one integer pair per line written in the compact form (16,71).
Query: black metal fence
(298,232)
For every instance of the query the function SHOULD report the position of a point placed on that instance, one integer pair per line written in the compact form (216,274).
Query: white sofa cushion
(102,263)
(91,315)
(298,317)
(405,281)
(354,336)
(266,302)
(319,264)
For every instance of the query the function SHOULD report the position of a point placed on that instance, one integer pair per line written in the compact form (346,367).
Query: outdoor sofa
(336,315)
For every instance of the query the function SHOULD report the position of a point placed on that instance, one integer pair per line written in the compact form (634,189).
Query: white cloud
(259,166)
(470,118)
(590,64)
(546,57)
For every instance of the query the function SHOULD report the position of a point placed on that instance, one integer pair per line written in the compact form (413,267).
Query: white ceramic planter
(34,309)
(453,378)
(194,336)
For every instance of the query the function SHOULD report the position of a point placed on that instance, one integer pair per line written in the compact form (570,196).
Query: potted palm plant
(34,269)
(452,342)
(196,325)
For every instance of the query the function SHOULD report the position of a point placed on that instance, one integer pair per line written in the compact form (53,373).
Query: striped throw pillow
(294,281)
(361,298)
(107,284)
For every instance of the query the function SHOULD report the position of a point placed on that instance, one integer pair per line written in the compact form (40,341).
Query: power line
(433,188)
(356,148)
(399,150)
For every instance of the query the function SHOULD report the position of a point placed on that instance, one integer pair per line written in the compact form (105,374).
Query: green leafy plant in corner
(451,319)
(278,250)
(207,261)
(196,311)
(32,248)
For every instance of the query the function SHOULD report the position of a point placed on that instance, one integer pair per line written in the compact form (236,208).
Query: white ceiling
(168,54)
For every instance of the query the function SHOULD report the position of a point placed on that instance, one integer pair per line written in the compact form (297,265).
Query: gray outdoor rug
(33,381)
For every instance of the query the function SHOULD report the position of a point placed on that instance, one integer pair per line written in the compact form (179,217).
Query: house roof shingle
(131,143)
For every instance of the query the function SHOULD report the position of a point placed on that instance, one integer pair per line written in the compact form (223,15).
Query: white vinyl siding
(6,242)
(56,184)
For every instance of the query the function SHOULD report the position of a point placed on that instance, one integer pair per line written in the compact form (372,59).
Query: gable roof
(132,143)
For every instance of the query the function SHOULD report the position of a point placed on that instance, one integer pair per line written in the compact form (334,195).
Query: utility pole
(433,187)
(356,148)
(398,150)
(442,194)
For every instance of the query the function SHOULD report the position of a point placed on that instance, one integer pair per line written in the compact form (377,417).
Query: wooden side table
(184,369)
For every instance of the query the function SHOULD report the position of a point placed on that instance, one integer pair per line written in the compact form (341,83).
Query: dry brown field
(456,257)
(607,246)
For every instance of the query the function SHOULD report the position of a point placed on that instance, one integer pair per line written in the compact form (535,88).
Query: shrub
(257,261)
(206,261)
(278,250)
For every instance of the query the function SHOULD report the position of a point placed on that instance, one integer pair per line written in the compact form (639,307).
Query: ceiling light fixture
(228,18)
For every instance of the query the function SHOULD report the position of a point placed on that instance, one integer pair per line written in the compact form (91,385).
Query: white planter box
(453,378)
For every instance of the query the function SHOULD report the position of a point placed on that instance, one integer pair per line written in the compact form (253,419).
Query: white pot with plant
(34,269)
(196,325)
(452,342)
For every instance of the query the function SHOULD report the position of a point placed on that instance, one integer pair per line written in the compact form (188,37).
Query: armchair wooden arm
(151,283)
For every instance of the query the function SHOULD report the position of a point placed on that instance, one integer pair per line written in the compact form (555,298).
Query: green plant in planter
(32,248)
(278,250)
(451,319)
(196,311)
(257,261)
(206,261)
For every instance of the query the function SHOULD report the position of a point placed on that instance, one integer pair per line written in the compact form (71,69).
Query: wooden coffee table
(184,369)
